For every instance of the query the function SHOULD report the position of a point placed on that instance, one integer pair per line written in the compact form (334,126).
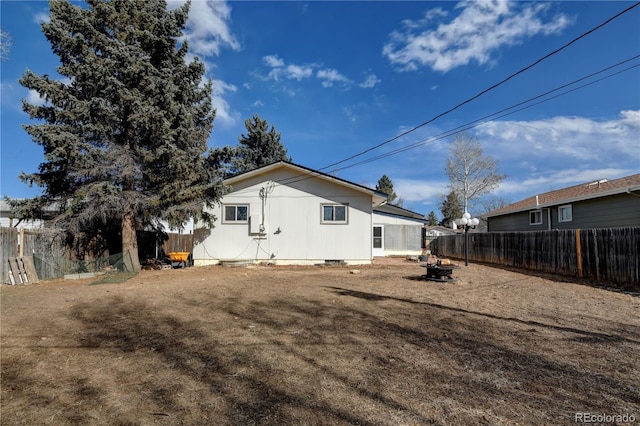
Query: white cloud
(481,28)
(273,61)
(208,31)
(208,27)
(41,18)
(370,81)
(330,76)
(566,138)
(349,112)
(631,118)
(298,72)
(537,155)
(426,191)
(224,114)
(290,72)
(34,98)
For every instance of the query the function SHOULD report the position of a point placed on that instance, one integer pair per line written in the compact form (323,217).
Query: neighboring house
(397,231)
(8,221)
(599,204)
(433,232)
(288,214)
(436,231)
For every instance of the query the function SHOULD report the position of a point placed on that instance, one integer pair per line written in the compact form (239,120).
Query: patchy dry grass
(312,345)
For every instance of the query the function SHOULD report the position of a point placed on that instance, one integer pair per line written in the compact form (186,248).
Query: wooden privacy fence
(46,246)
(151,245)
(609,255)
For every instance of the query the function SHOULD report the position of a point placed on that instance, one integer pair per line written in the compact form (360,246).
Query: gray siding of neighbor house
(606,212)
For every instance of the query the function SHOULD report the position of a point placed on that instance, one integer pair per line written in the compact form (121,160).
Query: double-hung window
(535,217)
(335,213)
(565,213)
(236,213)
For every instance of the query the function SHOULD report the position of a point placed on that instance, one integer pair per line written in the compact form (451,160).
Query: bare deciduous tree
(471,173)
(492,203)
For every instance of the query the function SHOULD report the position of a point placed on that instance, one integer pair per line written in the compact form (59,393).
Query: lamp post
(467,222)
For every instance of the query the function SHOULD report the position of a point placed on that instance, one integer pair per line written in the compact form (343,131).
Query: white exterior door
(378,240)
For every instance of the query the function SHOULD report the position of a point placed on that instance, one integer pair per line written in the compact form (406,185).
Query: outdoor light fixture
(467,222)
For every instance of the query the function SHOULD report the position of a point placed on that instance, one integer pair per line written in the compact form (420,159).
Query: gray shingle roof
(584,191)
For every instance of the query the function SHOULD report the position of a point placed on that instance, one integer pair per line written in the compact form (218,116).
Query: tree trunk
(130,241)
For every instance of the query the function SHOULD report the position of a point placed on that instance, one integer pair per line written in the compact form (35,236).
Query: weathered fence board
(22,271)
(178,242)
(8,248)
(609,255)
(152,245)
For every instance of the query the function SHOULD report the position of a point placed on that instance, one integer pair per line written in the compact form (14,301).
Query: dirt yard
(374,345)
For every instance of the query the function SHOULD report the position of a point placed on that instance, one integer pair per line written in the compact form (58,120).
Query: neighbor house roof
(441,229)
(585,191)
(307,173)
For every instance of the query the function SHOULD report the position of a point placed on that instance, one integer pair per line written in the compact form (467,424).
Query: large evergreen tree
(124,136)
(432,218)
(451,208)
(385,186)
(260,147)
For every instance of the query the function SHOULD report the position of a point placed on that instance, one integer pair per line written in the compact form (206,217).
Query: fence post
(578,253)
(21,245)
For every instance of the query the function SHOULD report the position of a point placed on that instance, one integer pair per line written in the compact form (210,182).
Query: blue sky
(336,78)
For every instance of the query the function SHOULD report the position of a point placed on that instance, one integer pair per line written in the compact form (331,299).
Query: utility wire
(485,90)
(483,120)
(476,124)
(319,173)
(495,115)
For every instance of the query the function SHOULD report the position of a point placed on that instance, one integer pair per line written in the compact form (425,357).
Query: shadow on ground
(354,357)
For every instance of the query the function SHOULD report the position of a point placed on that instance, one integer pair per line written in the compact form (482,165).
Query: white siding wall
(381,219)
(26,224)
(292,217)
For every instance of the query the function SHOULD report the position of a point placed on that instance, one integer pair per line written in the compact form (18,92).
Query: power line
(483,120)
(495,115)
(485,90)
(318,172)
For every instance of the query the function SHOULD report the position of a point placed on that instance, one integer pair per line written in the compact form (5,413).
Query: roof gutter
(630,192)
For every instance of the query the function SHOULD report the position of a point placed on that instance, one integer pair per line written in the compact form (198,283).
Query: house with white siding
(289,214)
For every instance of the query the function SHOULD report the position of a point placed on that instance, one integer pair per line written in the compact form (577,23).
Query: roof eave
(378,198)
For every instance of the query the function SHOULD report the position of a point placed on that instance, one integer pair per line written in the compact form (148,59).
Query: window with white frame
(565,213)
(535,217)
(334,213)
(236,213)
